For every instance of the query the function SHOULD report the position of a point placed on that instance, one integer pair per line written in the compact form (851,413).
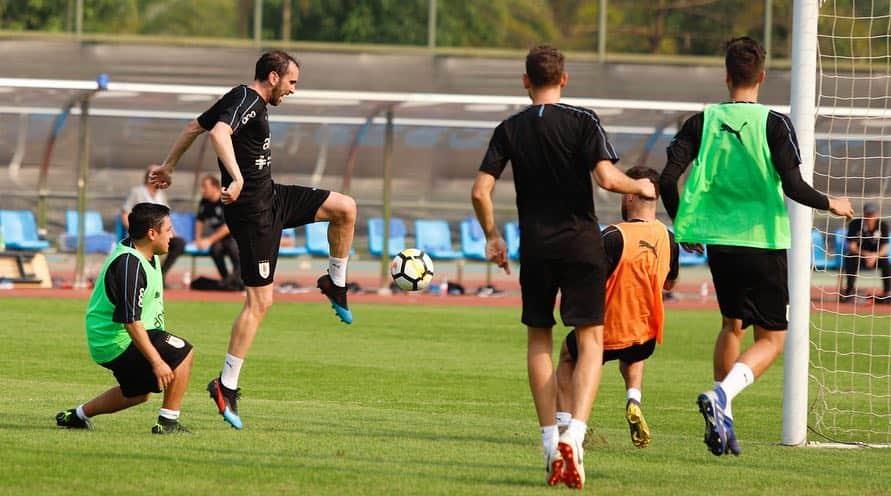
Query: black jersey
(553,148)
(244,110)
(211,214)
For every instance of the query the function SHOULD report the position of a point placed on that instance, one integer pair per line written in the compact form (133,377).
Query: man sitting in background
(211,231)
(148,193)
(866,247)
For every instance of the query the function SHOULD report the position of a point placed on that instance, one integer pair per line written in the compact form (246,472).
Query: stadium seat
(97,240)
(823,257)
(512,238)
(317,239)
(435,238)
(20,231)
(396,243)
(184,227)
(296,249)
(687,258)
(473,239)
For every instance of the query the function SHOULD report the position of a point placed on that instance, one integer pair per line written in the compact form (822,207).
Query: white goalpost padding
(803,114)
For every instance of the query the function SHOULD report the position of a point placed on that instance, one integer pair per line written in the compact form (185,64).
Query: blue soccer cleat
(226,401)
(337,295)
(715,428)
(732,444)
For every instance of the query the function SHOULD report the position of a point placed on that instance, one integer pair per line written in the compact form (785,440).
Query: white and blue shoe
(711,406)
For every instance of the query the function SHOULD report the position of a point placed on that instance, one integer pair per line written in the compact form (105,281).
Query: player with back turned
(745,156)
(554,149)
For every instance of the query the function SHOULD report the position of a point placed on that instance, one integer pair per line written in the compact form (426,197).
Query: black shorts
(582,287)
(751,284)
(631,354)
(134,372)
(258,234)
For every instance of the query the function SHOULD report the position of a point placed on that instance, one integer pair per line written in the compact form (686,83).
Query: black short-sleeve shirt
(244,110)
(552,149)
(211,214)
(869,239)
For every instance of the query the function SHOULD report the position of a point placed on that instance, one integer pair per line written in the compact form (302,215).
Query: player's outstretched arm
(163,177)
(610,178)
(481,195)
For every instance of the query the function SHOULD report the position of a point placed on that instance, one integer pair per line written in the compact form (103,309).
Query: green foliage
(634,26)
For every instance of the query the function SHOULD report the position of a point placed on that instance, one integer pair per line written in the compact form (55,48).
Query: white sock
(80,413)
(633,394)
(337,270)
(231,371)
(549,437)
(740,377)
(169,414)
(577,430)
(563,419)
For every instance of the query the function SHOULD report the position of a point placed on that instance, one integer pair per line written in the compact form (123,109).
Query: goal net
(850,336)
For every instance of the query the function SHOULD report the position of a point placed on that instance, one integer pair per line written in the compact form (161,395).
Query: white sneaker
(573,464)
(553,468)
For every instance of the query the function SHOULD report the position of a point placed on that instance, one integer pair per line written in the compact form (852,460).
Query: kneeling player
(128,292)
(643,260)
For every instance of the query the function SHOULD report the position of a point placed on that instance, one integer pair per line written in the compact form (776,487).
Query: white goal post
(838,348)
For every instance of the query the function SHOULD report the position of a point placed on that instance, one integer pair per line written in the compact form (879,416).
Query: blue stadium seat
(97,239)
(184,227)
(687,258)
(512,238)
(435,238)
(292,251)
(823,257)
(396,243)
(473,239)
(20,231)
(317,239)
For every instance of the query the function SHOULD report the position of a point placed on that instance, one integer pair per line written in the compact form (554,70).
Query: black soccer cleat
(167,426)
(226,401)
(337,295)
(69,420)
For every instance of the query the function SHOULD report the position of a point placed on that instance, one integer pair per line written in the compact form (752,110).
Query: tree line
(669,27)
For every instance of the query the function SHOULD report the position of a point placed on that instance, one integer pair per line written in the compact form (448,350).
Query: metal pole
(258,22)
(768,29)
(79,18)
(387,198)
(601,33)
(83,146)
(797,348)
(431,24)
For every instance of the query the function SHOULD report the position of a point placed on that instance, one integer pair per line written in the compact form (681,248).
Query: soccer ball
(412,269)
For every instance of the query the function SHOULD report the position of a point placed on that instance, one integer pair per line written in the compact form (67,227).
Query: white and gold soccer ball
(412,269)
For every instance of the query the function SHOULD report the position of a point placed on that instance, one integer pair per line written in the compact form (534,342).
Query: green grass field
(408,400)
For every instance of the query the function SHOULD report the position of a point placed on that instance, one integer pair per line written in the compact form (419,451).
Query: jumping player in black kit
(554,149)
(257,209)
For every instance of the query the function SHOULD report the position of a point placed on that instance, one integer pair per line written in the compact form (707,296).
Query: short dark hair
(544,66)
(275,61)
(213,180)
(644,172)
(744,61)
(145,216)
